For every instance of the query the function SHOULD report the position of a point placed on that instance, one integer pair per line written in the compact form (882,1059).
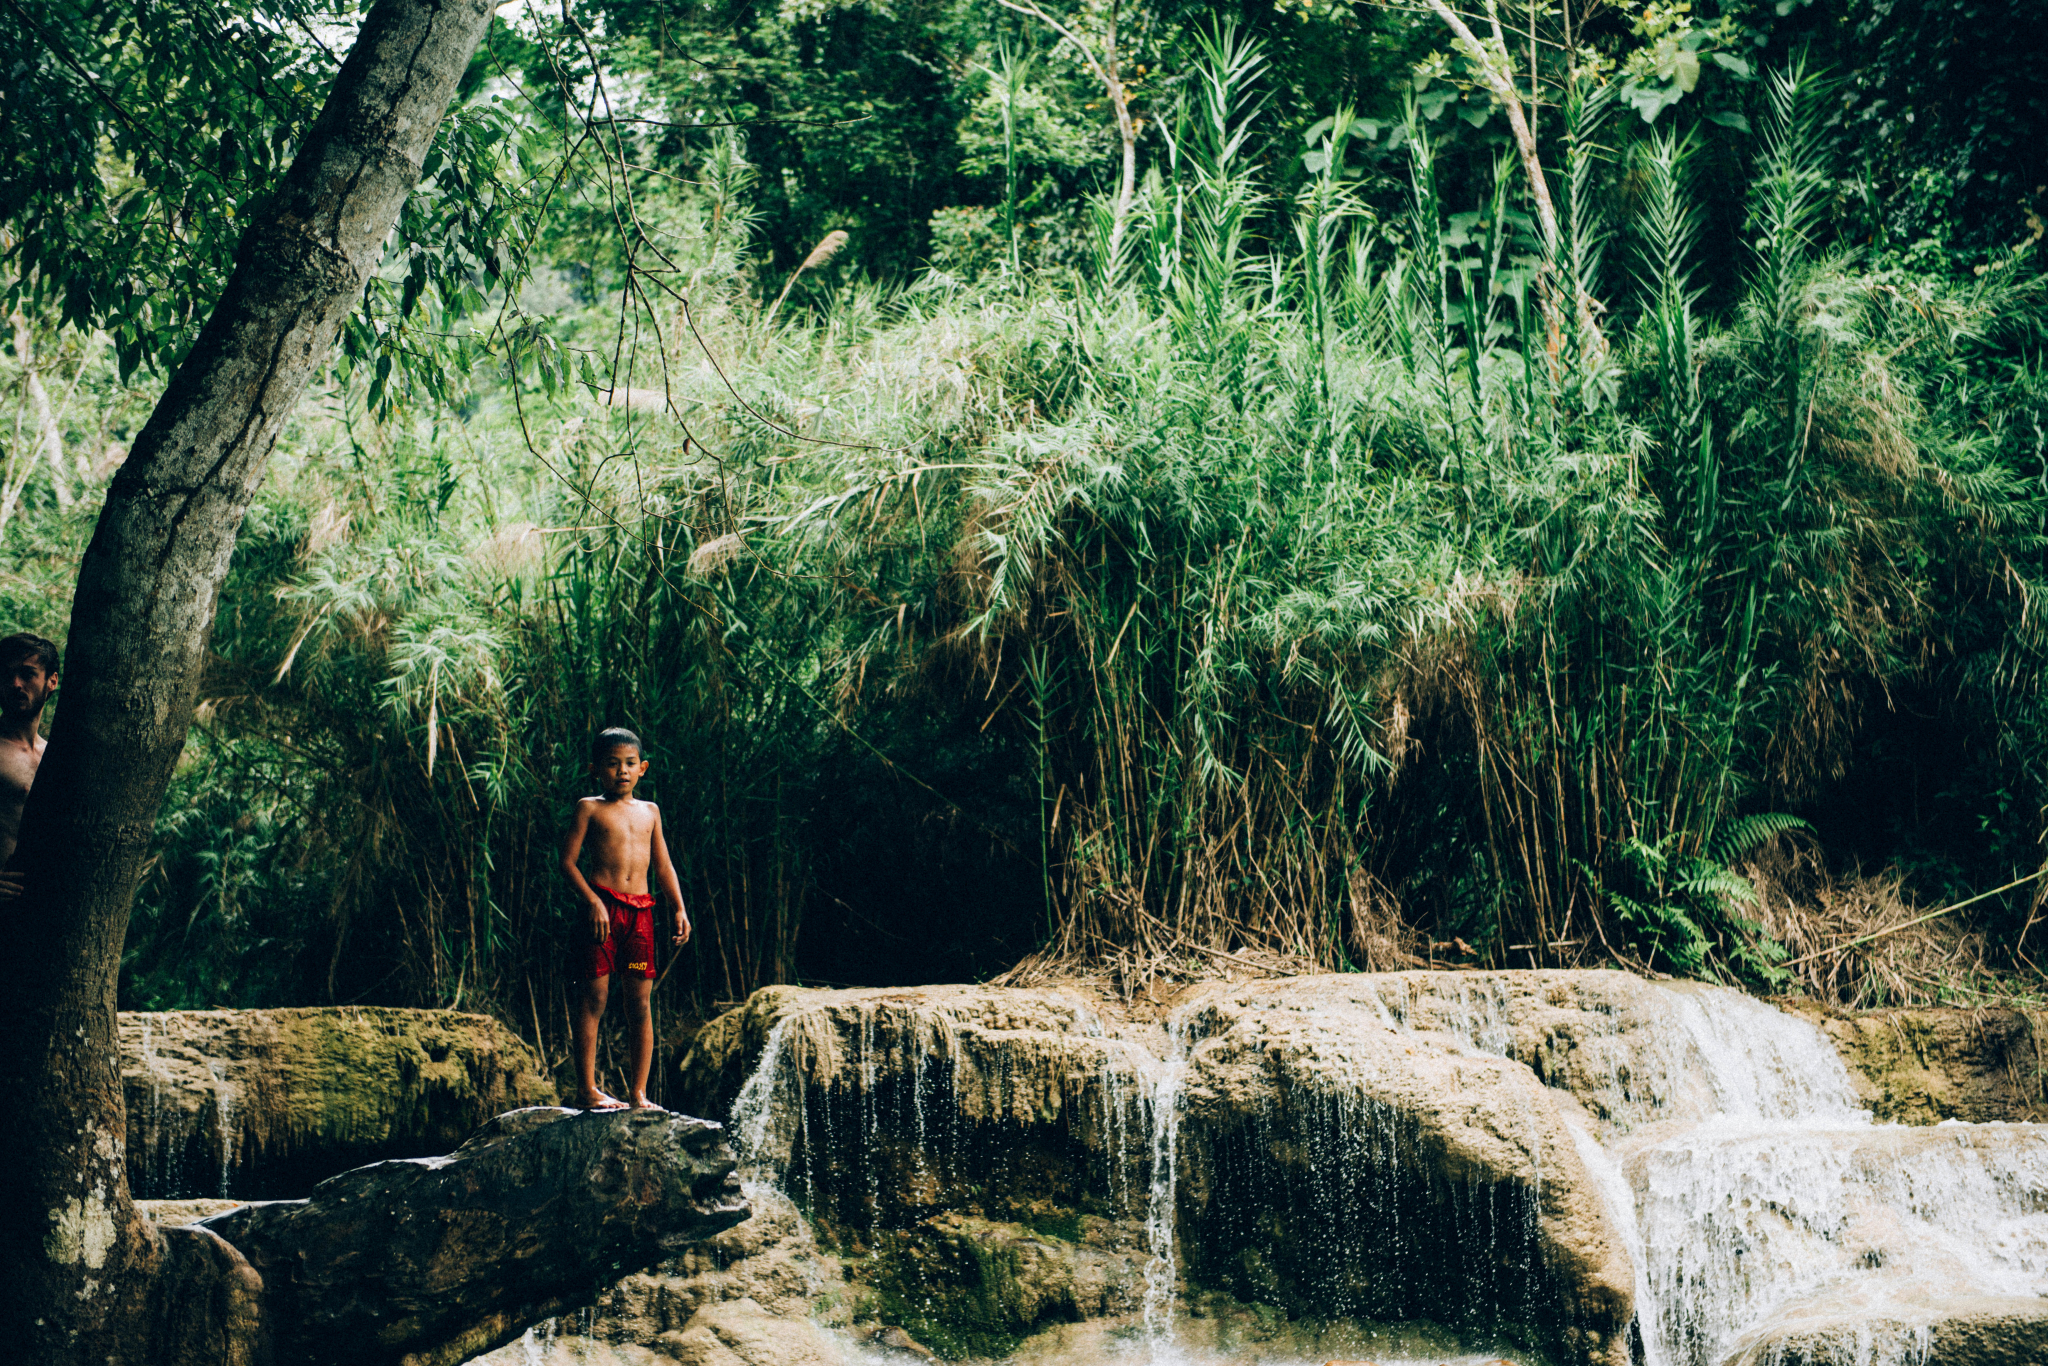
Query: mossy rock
(1926,1065)
(267,1103)
(968,1287)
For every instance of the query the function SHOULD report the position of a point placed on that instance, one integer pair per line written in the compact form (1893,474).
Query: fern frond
(1733,841)
(1711,880)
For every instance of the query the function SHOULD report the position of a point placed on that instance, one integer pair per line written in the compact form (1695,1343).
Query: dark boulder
(427,1261)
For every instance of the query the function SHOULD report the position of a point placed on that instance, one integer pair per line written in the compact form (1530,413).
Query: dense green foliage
(1310,577)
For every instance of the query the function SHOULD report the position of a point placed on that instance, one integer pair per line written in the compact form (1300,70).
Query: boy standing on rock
(624,835)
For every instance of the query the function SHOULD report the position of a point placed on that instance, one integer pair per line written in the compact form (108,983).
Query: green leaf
(1650,101)
(1728,118)
(1728,61)
(1732,842)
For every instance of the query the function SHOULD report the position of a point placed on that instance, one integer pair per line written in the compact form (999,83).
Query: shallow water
(1246,1339)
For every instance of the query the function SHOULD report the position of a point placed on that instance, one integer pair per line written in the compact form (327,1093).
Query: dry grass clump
(1858,941)
(1127,975)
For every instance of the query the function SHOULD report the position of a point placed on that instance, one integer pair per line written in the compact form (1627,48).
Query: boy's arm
(572,849)
(666,871)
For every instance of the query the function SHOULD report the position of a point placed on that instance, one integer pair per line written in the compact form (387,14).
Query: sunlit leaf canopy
(139,140)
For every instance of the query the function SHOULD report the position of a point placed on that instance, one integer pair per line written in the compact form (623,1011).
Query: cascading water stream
(1720,1133)
(753,1110)
(1785,1204)
(1753,1195)
(224,1117)
(1160,1209)
(1620,1200)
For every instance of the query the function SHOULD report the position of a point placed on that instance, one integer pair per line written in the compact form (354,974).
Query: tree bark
(79,1266)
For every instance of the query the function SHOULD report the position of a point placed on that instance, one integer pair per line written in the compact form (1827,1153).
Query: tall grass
(1282,590)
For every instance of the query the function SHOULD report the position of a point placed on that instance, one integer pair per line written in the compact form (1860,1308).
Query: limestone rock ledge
(1336,1165)
(1978,1331)
(767,1294)
(1924,1066)
(759,1294)
(1371,1153)
(1313,1123)
(266,1103)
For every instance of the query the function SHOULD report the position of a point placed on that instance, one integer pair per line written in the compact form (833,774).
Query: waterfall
(153,1164)
(166,1132)
(1762,1213)
(1752,1194)
(224,1120)
(1160,1209)
(1744,1219)
(1762,1062)
(1124,1105)
(1785,1204)
(1620,1199)
(762,1150)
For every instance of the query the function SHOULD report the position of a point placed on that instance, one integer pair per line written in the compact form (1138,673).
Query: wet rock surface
(1925,1066)
(1335,1165)
(265,1103)
(761,1293)
(177,1213)
(883,1109)
(1438,1163)
(1968,1331)
(1854,1241)
(433,1260)
(918,1126)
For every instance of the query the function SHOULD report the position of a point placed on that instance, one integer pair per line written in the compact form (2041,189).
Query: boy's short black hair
(611,738)
(26,645)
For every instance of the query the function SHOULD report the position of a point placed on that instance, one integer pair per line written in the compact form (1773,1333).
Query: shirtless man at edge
(28,675)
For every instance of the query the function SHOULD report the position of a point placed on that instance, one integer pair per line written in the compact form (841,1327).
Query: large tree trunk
(78,1267)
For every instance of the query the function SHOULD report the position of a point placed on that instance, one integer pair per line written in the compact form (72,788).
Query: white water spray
(1783,1207)
(1161,1208)
(753,1111)
(224,1115)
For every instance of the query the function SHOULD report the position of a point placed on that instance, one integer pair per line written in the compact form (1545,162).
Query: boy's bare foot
(598,1100)
(643,1103)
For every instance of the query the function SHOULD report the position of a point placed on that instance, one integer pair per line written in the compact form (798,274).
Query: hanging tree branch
(1105,69)
(88,1278)
(1498,76)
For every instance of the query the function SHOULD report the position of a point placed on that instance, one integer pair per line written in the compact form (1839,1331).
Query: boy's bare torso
(618,841)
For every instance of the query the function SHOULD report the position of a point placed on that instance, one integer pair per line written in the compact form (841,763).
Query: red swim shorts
(629,951)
